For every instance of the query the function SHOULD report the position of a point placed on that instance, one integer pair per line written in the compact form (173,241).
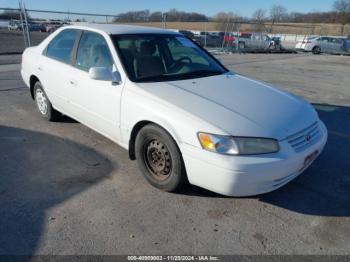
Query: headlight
(231,145)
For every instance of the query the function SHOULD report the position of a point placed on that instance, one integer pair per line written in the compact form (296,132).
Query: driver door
(96,103)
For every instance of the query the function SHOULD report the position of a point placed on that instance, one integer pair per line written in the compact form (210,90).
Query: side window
(93,51)
(337,40)
(61,47)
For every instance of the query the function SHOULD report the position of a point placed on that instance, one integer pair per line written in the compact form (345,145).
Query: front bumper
(247,175)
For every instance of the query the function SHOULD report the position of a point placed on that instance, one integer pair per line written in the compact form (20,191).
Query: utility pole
(237,38)
(27,24)
(205,34)
(22,24)
(164,20)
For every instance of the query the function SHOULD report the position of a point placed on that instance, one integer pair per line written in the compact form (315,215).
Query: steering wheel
(184,58)
(177,65)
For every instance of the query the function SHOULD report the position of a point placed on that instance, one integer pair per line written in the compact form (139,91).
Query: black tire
(42,101)
(241,45)
(160,159)
(316,50)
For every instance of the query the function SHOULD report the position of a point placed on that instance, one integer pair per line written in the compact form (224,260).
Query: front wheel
(159,159)
(43,104)
(316,50)
(241,45)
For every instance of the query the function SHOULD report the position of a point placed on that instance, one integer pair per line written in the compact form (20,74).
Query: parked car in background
(323,44)
(209,40)
(37,27)
(255,41)
(276,43)
(229,39)
(346,45)
(305,44)
(32,26)
(13,25)
(53,26)
(177,110)
(187,33)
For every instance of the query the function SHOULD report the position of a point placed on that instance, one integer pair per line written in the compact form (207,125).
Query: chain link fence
(16,33)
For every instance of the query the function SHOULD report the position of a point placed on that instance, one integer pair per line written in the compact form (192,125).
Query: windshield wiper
(200,73)
(153,78)
(174,77)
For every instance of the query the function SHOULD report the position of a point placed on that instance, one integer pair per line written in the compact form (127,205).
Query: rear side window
(61,47)
(337,40)
(93,51)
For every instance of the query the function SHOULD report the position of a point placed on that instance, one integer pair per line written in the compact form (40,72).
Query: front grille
(305,138)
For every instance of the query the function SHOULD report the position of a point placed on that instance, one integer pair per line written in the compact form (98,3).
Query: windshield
(156,57)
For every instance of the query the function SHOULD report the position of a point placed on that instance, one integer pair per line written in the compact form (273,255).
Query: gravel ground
(67,190)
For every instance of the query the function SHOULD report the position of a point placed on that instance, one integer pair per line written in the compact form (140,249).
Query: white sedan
(176,109)
(318,45)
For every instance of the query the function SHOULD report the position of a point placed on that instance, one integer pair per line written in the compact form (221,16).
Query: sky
(208,7)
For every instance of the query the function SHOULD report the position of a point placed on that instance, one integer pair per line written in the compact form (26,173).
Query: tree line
(276,14)
(173,15)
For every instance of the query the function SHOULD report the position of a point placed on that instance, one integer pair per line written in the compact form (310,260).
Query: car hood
(237,105)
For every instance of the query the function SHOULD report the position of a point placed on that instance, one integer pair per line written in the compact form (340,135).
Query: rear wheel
(160,159)
(43,104)
(316,50)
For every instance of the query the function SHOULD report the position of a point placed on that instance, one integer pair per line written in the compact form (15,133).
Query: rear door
(335,45)
(55,69)
(324,44)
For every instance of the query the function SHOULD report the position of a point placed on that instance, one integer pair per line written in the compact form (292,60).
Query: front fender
(140,106)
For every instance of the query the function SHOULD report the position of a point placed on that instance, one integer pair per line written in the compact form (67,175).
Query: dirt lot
(67,190)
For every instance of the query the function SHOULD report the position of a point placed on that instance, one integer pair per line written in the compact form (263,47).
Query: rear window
(61,47)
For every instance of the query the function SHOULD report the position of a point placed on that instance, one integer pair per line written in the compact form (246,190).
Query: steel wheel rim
(41,101)
(158,159)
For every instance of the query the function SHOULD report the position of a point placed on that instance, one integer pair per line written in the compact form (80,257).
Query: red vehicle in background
(229,39)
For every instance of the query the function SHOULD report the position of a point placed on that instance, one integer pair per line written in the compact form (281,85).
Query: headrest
(148,48)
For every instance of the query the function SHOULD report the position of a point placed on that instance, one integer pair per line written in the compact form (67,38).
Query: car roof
(117,29)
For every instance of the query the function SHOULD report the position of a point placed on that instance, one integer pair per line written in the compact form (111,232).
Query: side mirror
(105,74)
(100,73)
(116,78)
